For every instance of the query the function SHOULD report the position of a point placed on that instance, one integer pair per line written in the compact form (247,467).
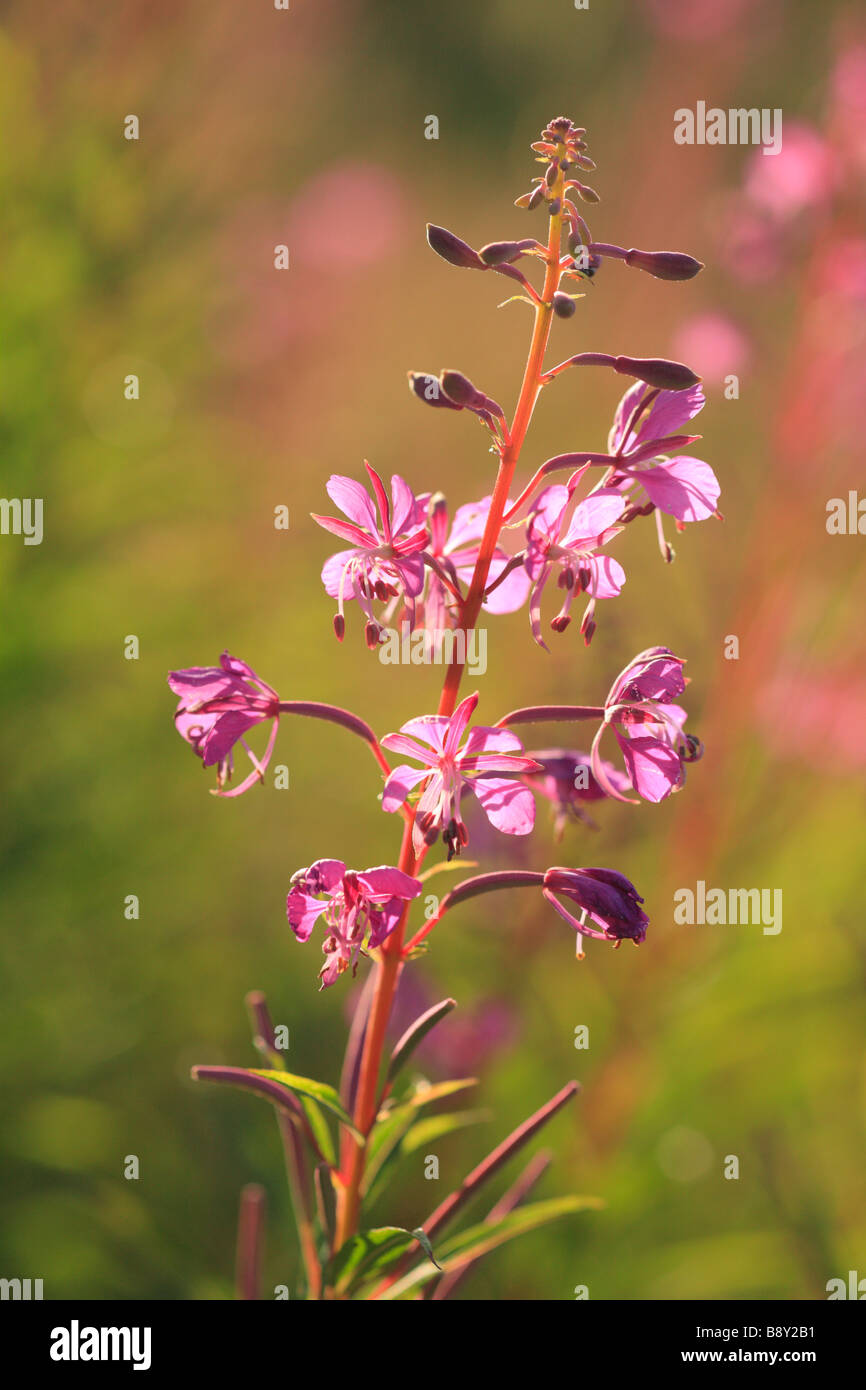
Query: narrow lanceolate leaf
(319,1126)
(415,1035)
(446,1210)
(435,1127)
(372,1252)
(470,1244)
(394,1123)
(318,1091)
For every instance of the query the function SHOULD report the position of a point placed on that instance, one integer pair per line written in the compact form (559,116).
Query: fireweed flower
(648,727)
(566,779)
(605,897)
(555,542)
(360,909)
(218,705)
(451,766)
(685,488)
(385,562)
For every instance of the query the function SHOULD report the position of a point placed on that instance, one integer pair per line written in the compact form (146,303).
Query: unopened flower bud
(587,194)
(694,750)
(657,371)
(504,252)
(665,265)
(459,389)
(563,305)
(452,249)
(553,207)
(429,390)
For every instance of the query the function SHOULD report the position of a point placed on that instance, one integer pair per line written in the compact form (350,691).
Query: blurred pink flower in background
(812,707)
(698,19)
(800,178)
(714,345)
(368,217)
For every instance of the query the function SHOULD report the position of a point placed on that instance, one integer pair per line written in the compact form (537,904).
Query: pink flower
(554,542)
(648,727)
(360,909)
(567,780)
(218,705)
(385,561)
(605,896)
(450,767)
(645,420)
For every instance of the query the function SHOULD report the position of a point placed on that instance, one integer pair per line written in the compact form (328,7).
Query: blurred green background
(306,127)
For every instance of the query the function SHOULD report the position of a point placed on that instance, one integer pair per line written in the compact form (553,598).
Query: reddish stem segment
(388,968)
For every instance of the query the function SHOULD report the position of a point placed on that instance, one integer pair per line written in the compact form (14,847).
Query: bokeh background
(306,127)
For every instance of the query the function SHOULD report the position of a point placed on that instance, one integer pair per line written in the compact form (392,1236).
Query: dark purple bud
(658,372)
(452,249)
(563,305)
(587,194)
(372,633)
(560,622)
(428,389)
(587,630)
(339,626)
(665,265)
(503,252)
(459,389)
(551,173)
(535,197)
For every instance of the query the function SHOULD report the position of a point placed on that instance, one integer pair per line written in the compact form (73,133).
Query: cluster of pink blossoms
(406,564)
(409,561)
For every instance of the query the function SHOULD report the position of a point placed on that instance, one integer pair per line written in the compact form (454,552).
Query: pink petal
(385,882)
(354,501)
(684,487)
(399,785)
(509,806)
(653,766)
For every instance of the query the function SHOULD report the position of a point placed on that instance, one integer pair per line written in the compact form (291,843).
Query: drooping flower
(604,896)
(360,909)
(385,561)
(648,726)
(646,421)
(451,766)
(566,779)
(218,705)
(553,541)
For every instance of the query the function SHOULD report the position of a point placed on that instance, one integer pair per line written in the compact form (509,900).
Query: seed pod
(658,372)
(563,305)
(452,249)
(665,265)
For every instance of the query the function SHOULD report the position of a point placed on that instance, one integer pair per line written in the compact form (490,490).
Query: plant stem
(388,967)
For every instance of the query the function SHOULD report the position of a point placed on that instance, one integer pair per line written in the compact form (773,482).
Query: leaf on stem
(319,1091)
(415,1035)
(371,1252)
(477,1240)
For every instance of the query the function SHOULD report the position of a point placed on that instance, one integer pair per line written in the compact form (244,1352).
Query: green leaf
(427,1131)
(318,1091)
(371,1252)
(477,1240)
(425,1094)
(321,1131)
(416,1034)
